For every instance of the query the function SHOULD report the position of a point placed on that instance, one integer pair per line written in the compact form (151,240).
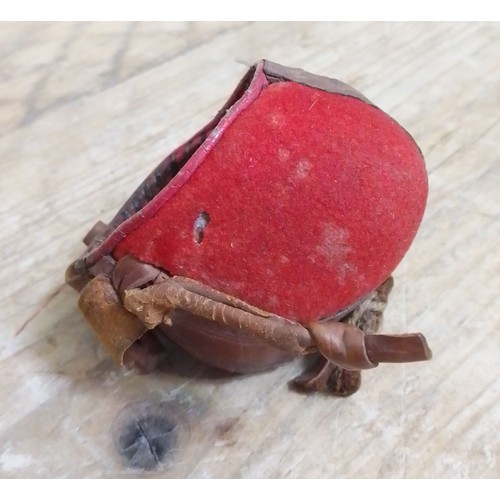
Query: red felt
(313,200)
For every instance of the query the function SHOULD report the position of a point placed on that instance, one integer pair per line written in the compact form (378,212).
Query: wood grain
(87,110)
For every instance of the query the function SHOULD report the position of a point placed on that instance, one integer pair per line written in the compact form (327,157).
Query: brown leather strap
(155,304)
(341,343)
(129,297)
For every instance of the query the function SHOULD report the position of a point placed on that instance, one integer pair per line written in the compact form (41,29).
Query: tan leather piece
(114,326)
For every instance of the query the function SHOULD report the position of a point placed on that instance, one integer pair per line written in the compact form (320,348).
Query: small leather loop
(342,344)
(349,348)
(98,228)
(152,296)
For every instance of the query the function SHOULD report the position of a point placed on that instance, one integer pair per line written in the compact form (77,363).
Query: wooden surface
(87,110)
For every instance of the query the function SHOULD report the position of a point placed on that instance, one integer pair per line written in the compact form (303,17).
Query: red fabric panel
(313,199)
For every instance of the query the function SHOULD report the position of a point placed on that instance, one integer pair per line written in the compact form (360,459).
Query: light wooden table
(87,110)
